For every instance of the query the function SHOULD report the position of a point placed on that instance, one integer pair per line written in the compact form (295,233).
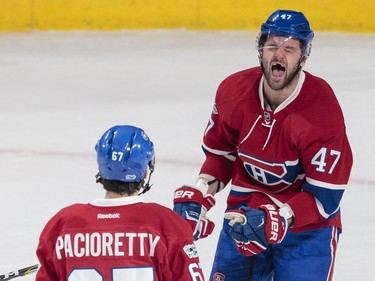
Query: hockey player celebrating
(277,133)
(119,237)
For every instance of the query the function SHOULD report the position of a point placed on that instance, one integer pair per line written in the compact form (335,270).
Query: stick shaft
(19,272)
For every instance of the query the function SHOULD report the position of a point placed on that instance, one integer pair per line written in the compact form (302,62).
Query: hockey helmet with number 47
(288,23)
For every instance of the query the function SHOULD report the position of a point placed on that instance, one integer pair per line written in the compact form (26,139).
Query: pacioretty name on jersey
(106,244)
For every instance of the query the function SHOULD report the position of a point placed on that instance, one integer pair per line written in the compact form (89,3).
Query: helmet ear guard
(287,23)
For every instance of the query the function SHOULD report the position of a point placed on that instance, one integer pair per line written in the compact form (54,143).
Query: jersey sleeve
(220,138)
(327,159)
(185,263)
(234,97)
(183,258)
(47,270)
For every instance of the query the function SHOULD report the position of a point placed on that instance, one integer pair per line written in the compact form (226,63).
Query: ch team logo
(218,276)
(271,173)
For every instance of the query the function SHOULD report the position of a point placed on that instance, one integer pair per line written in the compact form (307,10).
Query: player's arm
(193,202)
(187,264)
(221,136)
(327,161)
(46,271)
(220,142)
(219,145)
(181,253)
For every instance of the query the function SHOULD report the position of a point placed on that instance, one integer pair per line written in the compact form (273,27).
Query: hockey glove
(253,229)
(247,230)
(192,205)
(276,225)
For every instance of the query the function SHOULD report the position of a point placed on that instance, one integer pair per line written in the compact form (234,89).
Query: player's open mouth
(277,70)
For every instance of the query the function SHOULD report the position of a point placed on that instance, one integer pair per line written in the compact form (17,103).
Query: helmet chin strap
(145,186)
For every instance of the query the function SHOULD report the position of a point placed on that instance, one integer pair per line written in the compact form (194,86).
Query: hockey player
(119,237)
(277,133)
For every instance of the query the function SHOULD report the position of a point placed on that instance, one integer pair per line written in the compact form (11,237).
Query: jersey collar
(295,94)
(116,201)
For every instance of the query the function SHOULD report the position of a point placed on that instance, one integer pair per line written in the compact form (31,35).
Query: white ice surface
(60,91)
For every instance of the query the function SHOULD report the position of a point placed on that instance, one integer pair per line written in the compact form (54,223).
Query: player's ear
(303,61)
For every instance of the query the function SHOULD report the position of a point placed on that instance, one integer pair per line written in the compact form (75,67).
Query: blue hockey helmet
(124,153)
(287,23)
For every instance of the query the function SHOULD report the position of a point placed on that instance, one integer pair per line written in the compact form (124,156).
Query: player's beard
(289,75)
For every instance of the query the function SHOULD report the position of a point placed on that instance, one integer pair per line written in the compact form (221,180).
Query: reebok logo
(108,216)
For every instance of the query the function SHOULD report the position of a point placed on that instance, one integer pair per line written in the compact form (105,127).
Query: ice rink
(60,91)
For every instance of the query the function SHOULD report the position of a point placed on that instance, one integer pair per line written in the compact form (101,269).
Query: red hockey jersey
(298,154)
(117,239)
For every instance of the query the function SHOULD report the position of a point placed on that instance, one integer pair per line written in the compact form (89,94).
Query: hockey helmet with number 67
(125,153)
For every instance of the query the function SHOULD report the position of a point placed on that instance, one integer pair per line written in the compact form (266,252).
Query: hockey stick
(19,272)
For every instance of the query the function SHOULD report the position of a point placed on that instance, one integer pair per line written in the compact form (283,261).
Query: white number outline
(195,275)
(117,155)
(119,274)
(146,273)
(286,16)
(320,159)
(338,155)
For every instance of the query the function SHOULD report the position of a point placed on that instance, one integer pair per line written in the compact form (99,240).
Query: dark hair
(119,187)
